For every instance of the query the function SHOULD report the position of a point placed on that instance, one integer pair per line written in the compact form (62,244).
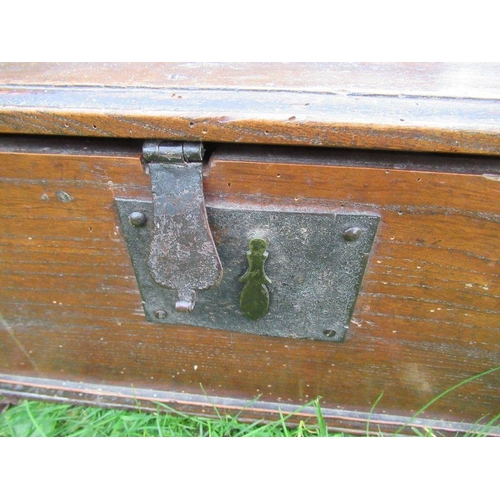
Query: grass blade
(33,421)
(371,412)
(444,393)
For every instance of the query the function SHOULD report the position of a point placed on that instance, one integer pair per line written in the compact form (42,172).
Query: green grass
(32,418)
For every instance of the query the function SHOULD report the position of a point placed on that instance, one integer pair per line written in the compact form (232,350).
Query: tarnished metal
(182,253)
(137,219)
(352,234)
(254,298)
(329,333)
(160,314)
(315,272)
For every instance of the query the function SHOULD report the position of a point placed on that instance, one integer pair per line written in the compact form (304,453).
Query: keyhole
(254,298)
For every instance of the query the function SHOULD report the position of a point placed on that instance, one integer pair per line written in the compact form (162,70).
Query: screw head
(160,314)
(329,333)
(352,234)
(137,219)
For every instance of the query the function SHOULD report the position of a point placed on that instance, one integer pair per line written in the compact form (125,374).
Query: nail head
(352,234)
(160,314)
(137,219)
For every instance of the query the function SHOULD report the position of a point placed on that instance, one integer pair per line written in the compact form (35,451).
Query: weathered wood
(455,80)
(409,107)
(427,316)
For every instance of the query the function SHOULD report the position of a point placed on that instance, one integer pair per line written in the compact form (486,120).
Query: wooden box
(416,145)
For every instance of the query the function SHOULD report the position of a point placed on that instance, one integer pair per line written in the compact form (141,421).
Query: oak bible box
(248,238)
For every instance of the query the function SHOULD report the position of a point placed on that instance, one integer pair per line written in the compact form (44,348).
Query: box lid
(438,107)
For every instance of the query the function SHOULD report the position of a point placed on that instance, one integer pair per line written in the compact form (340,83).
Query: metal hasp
(182,252)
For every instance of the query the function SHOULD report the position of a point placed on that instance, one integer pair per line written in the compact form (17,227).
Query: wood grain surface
(447,108)
(426,319)
(455,80)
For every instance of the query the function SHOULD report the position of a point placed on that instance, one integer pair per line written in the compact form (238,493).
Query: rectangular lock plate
(315,263)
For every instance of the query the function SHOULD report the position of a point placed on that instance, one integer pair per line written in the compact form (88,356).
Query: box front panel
(426,318)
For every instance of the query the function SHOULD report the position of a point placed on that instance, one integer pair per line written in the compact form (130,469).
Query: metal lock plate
(315,265)
(277,273)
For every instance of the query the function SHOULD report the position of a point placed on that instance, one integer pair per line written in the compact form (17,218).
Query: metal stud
(352,234)
(160,314)
(137,219)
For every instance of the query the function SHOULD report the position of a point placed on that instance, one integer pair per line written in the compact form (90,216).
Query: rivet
(160,314)
(352,234)
(329,333)
(137,219)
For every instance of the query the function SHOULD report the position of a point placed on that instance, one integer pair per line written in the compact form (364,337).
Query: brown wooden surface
(449,108)
(456,80)
(427,316)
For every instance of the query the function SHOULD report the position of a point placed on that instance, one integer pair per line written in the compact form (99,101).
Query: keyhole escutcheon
(254,298)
